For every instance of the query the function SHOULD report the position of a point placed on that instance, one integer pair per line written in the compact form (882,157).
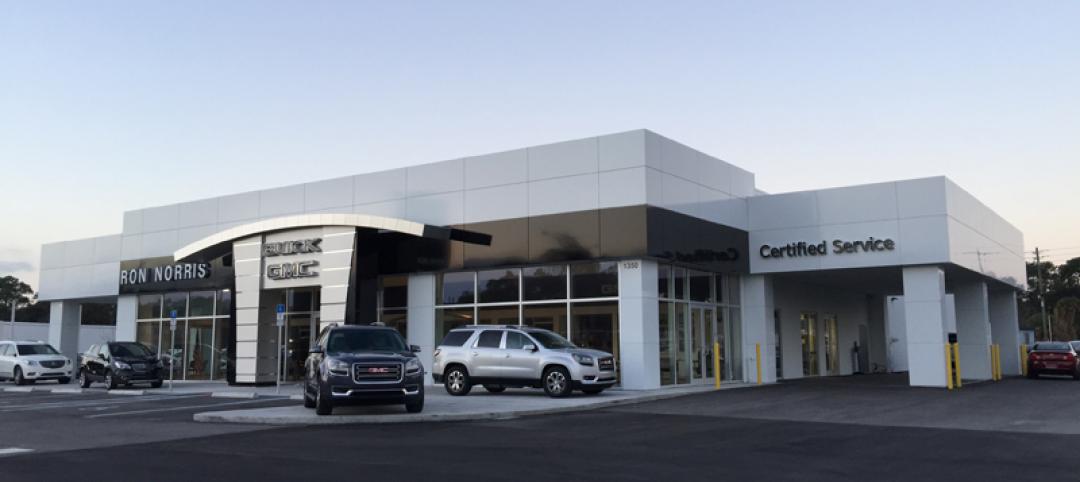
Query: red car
(1053,358)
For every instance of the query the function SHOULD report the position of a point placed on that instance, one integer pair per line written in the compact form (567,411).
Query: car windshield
(1052,346)
(551,340)
(354,341)
(129,350)
(37,350)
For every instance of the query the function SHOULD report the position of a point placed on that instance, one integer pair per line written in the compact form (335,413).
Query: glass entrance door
(703,336)
(298,337)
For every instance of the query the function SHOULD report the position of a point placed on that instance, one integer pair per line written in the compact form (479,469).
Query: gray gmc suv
(362,365)
(498,357)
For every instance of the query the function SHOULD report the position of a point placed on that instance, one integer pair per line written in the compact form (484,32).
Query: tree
(1066,318)
(11,288)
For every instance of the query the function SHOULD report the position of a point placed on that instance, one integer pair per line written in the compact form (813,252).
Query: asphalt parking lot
(50,422)
(826,429)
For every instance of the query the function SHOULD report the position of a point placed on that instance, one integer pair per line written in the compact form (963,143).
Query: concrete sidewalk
(441,407)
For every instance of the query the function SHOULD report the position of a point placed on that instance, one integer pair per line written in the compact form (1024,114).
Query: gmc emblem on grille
(378,370)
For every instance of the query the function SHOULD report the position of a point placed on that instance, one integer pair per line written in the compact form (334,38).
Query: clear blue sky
(107,106)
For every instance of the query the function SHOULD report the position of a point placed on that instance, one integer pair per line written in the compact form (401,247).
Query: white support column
(639,325)
(421,315)
(64,327)
(338,245)
(925,319)
(247,267)
(757,327)
(127,309)
(1005,329)
(973,330)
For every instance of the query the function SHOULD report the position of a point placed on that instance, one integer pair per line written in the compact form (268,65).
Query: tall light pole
(11,321)
(1042,299)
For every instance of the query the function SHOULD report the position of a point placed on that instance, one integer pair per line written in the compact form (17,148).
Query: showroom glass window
(394,303)
(696,310)
(198,349)
(579,301)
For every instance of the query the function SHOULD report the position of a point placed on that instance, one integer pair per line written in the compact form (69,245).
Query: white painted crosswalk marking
(14,450)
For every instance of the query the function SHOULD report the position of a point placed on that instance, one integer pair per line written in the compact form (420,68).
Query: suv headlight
(583,359)
(413,366)
(337,367)
(32,363)
(121,365)
(67,362)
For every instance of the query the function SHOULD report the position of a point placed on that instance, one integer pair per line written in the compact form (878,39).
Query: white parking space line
(77,403)
(172,409)
(14,450)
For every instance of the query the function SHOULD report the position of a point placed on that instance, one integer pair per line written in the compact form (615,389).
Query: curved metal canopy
(212,244)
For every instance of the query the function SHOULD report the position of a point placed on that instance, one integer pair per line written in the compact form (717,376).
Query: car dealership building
(629,243)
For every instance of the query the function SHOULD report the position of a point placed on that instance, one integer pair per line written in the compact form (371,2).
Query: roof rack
(378,323)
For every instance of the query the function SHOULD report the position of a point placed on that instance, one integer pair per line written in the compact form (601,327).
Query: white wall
(931,220)
(88,334)
(81,268)
(624,169)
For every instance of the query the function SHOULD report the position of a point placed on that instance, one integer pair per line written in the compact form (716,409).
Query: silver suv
(498,357)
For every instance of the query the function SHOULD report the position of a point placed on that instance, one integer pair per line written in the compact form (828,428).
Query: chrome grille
(607,363)
(138,366)
(376,372)
(52,363)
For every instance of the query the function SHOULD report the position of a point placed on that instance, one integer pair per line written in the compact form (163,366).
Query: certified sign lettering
(838,246)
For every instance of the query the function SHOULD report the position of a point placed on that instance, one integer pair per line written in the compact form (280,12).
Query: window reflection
(549,317)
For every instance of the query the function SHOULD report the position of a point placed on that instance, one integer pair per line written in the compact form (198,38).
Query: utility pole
(12,320)
(1042,299)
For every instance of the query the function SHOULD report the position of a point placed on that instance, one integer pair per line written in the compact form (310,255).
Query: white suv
(519,356)
(30,361)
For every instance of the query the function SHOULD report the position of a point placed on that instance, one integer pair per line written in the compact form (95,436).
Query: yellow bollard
(956,357)
(757,358)
(948,366)
(997,360)
(993,364)
(1023,359)
(716,363)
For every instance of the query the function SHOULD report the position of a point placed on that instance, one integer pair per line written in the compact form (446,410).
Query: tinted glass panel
(721,287)
(489,339)
(699,286)
(594,280)
(1052,346)
(147,333)
(97,314)
(456,338)
(497,285)
(596,325)
(623,232)
(149,306)
(224,304)
(395,291)
(663,281)
(456,288)
(177,302)
(498,315)
(549,317)
(679,287)
(300,301)
(734,296)
(129,349)
(202,303)
(509,244)
(447,319)
(564,237)
(545,282)
(396,319)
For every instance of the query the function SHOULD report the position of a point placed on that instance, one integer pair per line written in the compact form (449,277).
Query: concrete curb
(126,392)
(296,397)
(19,389)
(244,416)
(243,395)
(66,390)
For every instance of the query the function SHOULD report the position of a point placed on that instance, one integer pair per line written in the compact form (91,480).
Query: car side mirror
(529,347)
(315,349)
(414,348)
(101,356)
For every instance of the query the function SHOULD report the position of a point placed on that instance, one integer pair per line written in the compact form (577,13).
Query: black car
(120,363)
(362,365)
(1053,358)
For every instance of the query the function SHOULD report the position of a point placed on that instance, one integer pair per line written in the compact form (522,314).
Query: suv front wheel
(557,382)
(457,381)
